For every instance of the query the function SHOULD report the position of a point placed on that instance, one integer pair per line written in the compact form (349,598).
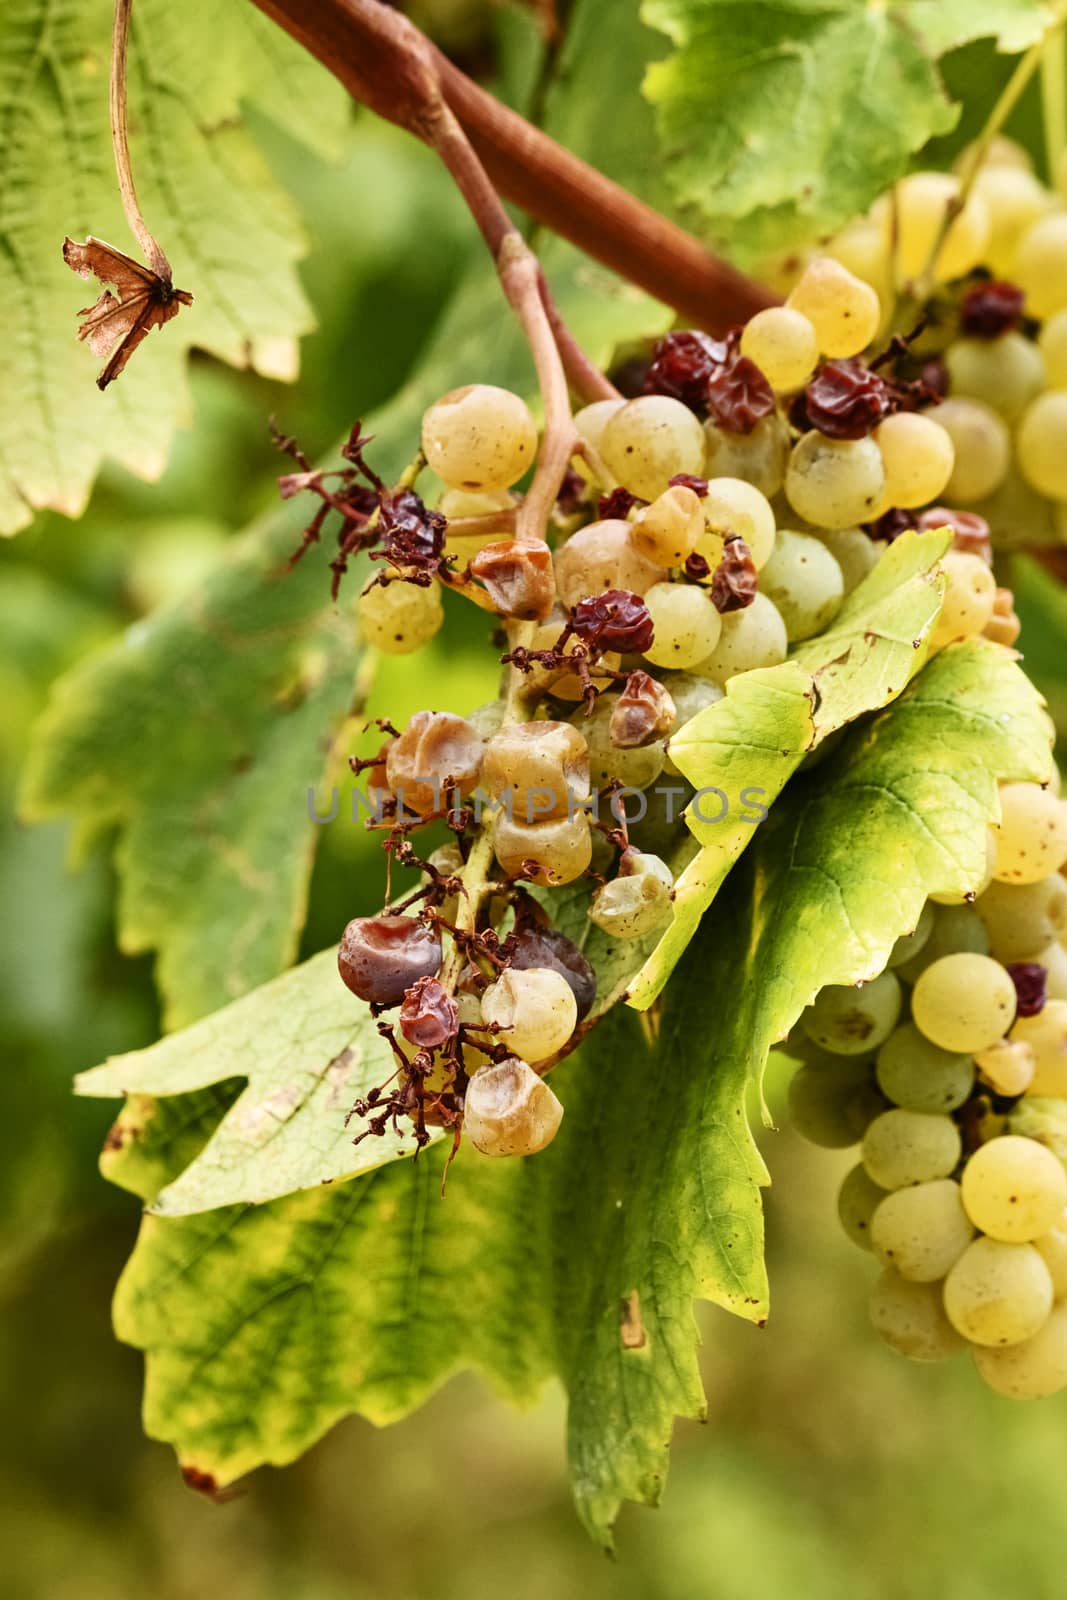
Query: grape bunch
(701,527)
(982,255)
(926,1068)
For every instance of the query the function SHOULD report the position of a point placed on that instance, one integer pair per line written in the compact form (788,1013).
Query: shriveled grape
(510,1111)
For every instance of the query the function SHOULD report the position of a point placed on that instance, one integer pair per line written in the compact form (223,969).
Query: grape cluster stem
(476,880)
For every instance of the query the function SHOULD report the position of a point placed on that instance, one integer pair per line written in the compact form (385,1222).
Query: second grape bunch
(936,1069)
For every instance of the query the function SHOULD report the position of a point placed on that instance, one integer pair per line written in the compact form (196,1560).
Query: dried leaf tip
(117,323)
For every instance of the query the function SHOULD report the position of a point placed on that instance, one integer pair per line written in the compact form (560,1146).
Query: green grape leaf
(740,753)
(264,1325)
(896,813)
(768,169)
(394,1287)
(308,1049)
(1044,1118)
(1012,24)
(232,235)
(873,647)
(198,734)
(153,1138)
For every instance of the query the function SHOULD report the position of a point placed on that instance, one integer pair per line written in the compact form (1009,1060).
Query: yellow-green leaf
(308,1048)
(740,752)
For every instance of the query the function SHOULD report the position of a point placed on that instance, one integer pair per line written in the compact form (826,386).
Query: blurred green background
(828,1467)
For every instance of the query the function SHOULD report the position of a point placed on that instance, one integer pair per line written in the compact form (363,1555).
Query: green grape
(731,507)
(1004,373)
(998,1293)
(969,599)
(843,310)
(1014,1189)
(510,1111)
(857,1201)
(782,343)
(691,694)
(603,555)
(1007,1066)
(805,583)
(1033,1369)
(861,247)
(635,902)
(910,1318)
(982,448)
(917,456)
(649,440)
(457,503)
(1052,1248)
(469,1013)
(835,482)
(999,152)
(1022,919)
(590,422)
(913,225)
(535,1009)
(910,945)
(758,458)
(1015,200)
(956,928)
(399,618)
(635,766)
(1046,1034)
(479,437)
(1054,960)
(1032,833)
(1041,444)
(919,1076)
(855,552)
(751,638)
(669,530)
(1052,343)
(905,1147)
(852,1020)
(964,1002)
(541,769)
(686,625)
(1018,516)
(832,1101)
(1040,267)
(560,849)
(922,1231)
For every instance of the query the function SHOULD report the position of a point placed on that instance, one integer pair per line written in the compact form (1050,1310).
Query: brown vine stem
(154,253)
(585,376)
(388,65)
